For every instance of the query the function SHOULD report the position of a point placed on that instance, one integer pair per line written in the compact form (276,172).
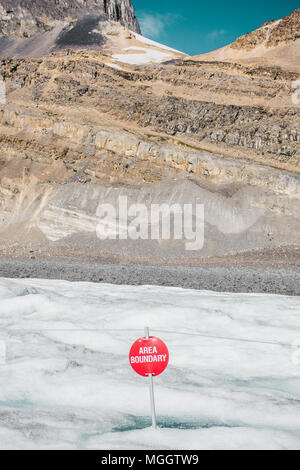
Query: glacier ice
(67,382)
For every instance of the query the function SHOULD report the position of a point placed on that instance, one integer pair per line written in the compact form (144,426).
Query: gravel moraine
(221,279)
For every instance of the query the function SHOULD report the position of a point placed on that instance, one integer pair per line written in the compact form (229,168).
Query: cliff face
(123,11)
(23,18)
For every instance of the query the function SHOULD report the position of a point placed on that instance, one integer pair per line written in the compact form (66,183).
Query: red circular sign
(149,356)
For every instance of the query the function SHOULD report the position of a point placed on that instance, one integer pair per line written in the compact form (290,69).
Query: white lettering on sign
(148,350)
(142,359)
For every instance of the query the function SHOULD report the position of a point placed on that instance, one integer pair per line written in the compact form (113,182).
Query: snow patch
(146,56)
(156,44)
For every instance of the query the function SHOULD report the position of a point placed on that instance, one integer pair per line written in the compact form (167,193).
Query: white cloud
(216,34)
(154,25)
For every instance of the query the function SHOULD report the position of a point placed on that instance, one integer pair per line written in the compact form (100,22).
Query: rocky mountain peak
(272,33)
(24,18)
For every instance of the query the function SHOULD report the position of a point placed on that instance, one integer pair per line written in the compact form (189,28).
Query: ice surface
(67,382)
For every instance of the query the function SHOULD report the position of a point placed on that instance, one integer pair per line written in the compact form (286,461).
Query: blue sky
(195,27)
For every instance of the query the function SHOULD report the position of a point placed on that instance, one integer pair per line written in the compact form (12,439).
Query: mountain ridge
(24,19)
(274,43)
(273,33)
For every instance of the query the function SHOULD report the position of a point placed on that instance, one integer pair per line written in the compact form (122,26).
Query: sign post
(149,356)
(151,386)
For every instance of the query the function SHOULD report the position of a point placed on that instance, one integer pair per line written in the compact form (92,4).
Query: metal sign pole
(151,388)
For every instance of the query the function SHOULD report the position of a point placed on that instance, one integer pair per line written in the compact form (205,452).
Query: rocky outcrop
(265,134)
(70,141)
(123,11)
